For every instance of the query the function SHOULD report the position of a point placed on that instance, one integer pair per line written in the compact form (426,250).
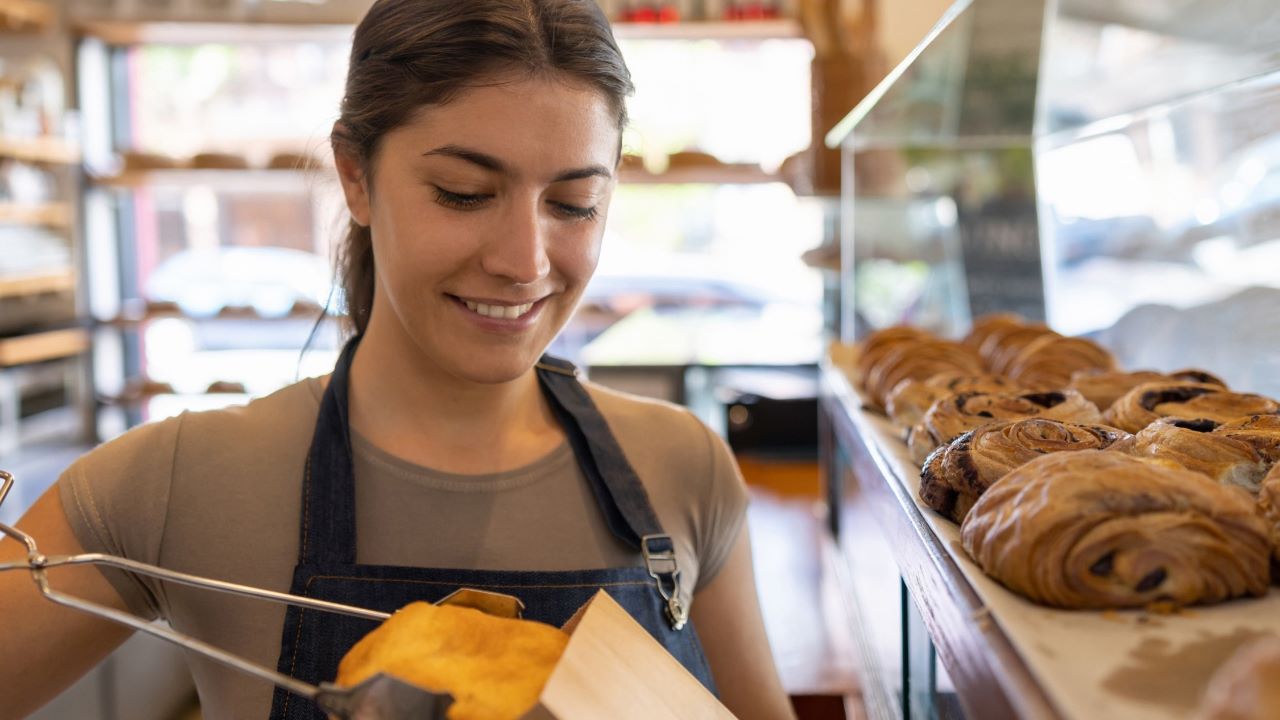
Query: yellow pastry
(494,667)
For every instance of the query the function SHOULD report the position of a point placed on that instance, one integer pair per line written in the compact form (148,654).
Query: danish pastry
(911,399)
(1149,402)
(1195,445)
(876,345)
(951,417)
(1100,529)
(1260,431)
(957,474)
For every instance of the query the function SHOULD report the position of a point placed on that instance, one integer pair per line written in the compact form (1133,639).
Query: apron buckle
(660,560)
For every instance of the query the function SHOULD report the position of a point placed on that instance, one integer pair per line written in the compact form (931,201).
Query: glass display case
(1068,160)
(1111,168)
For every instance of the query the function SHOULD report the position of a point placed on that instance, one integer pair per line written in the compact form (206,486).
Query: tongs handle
(38,563)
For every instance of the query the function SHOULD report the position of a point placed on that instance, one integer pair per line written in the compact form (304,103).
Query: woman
(477,148)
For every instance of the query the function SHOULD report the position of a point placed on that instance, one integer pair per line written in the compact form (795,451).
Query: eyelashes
(464,201)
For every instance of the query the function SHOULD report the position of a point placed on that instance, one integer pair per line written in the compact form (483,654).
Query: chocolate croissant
(911,399)
(875,346)
(1004,344)
(952,417)
(1149,402)
(957,474)
(1100,529)
(1194,445)
(1049,361)
(1260,431)
(1103,388)
(917,361)
(991,324)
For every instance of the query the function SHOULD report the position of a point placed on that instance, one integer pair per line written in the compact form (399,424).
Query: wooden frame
(990,678)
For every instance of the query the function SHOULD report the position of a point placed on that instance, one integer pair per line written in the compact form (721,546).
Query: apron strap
(328,484)
(618,491)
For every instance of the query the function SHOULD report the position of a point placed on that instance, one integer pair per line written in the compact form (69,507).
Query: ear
(352,176)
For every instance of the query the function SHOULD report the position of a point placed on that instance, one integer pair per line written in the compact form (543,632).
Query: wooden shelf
(54,215)
(725,174)
(38,284)
(780,29)
(114,32)
(127,319)
(41,346)
(118,32)
(50,150)
(187,177)
(26,16)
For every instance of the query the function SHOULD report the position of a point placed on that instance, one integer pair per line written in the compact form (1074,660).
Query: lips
(499,310)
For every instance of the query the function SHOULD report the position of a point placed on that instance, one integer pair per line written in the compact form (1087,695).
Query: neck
(408,406)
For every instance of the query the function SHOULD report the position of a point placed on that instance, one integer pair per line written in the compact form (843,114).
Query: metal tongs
(381,697)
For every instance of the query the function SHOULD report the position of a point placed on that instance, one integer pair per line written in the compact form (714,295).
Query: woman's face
(486,216)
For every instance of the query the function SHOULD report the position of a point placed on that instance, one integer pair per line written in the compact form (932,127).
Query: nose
(517,249)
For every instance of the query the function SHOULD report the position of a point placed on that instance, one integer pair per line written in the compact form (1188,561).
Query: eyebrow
(489,162)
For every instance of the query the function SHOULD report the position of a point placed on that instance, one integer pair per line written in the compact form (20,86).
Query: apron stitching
(306,509)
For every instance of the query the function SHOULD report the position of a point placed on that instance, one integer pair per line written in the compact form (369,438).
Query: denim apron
(314,641)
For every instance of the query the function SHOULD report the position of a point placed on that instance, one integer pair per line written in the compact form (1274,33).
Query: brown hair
(407,54)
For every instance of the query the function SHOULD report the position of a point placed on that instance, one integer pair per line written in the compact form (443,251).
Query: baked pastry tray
(1094,665)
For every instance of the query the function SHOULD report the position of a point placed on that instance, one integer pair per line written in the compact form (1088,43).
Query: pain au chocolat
(1194,445)
(917,361)
(952,417)
(1260,431)
(1101,529)
(957,474)
(1049,361)
(1149,402)
(1103,388)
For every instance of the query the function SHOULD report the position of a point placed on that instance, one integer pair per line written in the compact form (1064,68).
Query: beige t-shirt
(218,494)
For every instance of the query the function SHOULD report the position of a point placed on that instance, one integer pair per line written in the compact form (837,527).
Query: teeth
(500,312)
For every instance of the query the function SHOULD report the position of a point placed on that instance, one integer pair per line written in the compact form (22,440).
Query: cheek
(577,260)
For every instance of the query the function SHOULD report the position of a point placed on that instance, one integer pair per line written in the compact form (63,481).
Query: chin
(495,367)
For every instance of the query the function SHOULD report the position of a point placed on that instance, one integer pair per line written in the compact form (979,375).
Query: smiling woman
(477,149)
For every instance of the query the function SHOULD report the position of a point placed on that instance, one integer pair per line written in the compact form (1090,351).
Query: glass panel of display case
(1104,58)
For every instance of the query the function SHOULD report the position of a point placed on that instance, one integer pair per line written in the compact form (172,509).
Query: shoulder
(655,427)
(284,419)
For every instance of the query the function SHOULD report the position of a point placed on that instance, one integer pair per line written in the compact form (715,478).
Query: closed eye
(576,212)
(459,201)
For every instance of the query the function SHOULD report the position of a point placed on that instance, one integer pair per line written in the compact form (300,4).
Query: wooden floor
(803,613)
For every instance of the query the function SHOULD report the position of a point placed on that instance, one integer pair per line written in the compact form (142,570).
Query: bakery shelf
(723,174)
(54,215)
(42,346)
(49,150)
(26,16)
(780,29)
(1007,656)
(991,678)
(220,177)
(57,281)
(130,317)
(117,32)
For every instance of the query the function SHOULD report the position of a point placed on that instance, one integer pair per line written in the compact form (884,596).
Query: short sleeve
(116,499)
(724,509)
